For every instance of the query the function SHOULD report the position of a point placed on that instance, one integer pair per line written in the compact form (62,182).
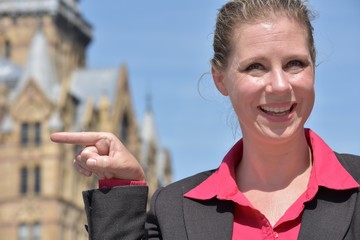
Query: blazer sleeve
(116,213)
(152,225)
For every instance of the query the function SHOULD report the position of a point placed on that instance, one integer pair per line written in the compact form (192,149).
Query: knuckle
(88,151)
(106,163)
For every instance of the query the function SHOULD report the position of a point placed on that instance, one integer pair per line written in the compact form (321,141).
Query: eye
(294,65)
(254,67)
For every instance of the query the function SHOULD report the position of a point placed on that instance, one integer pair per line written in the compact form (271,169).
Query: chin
(281,133)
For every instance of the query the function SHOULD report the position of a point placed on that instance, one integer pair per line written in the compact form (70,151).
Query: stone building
(46,87)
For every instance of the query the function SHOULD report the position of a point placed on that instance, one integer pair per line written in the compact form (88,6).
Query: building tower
(155,158)
(67,33)
(46,87)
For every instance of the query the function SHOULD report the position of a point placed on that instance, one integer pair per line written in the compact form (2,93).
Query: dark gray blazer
(119,213)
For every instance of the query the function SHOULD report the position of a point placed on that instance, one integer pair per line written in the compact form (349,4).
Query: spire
(148,97)
(148,127)
(39,67)
(148,135)
(148,102)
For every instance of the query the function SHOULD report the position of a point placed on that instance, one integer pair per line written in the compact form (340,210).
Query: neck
(273,166)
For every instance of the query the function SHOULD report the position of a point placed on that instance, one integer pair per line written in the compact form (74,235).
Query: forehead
(273,31)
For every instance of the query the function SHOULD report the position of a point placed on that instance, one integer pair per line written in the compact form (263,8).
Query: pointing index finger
(79,138)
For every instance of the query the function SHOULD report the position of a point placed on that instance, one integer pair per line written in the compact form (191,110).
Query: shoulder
(167,202)
(176,190)
(186,184)
(351,163)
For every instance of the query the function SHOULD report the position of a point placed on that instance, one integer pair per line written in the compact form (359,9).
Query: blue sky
(167,46)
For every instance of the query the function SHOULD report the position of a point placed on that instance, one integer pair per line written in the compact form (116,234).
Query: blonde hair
(236,12)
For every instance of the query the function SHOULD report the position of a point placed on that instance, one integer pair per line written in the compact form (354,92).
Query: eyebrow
(262,58)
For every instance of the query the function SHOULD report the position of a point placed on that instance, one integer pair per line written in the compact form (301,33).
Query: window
(37,134)
(30,134)
(23,232)
(37,183)
(28,231)
(24,134)
(36,231)
(23,180)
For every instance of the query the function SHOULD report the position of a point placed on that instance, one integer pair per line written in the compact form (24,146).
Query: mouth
(277,111)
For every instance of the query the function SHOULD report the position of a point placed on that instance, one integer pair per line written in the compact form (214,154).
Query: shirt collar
(327,172)
(222,181)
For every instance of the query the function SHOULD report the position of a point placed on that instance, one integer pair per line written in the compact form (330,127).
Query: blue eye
(295,64)
(255,66)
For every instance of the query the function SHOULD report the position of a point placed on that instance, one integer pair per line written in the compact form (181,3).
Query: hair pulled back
(236,12)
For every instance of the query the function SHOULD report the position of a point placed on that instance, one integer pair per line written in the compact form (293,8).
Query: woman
(280,181)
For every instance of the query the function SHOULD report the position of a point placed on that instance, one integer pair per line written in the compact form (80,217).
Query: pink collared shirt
(249,223)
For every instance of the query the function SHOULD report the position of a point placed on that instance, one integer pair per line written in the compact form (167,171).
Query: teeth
(276,110)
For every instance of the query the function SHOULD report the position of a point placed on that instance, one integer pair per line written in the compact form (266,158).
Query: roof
(39,67)
(9,72)
(6,125)
(94,84)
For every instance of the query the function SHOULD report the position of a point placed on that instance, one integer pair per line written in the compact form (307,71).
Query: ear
(218,77)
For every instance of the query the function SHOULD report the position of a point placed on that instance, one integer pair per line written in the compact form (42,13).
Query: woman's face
(269,78)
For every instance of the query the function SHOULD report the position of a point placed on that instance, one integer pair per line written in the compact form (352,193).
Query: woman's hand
(103,155)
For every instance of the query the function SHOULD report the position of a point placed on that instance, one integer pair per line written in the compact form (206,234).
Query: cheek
(304,84)
(244,94)
(304,91)
(305,80)
(311,97)
(243,90)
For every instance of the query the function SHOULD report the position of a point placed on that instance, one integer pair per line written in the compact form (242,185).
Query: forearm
(116,213)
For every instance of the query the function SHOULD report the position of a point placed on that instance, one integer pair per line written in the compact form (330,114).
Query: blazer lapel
(208,219)
(328,215)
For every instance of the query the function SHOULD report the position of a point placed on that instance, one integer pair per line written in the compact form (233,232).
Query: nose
(278,83)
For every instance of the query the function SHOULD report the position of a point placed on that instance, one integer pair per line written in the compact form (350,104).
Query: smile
(277,111)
